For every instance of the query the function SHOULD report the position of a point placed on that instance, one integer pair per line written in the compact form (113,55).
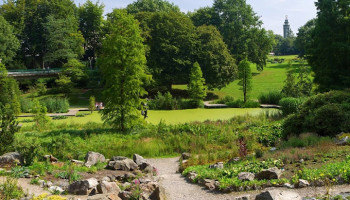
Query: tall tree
(245,74)
(240,28)
(304,37)
(218,66)
(90,24)
(63,41)
(196,87)
(329,56)
(152,6)
(122,62)
(9,91)
(171,43)
(9,44)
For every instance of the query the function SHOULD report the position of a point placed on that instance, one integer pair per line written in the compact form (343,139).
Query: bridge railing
(34,71)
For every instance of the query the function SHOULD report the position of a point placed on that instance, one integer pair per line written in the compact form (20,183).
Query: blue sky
(272,12)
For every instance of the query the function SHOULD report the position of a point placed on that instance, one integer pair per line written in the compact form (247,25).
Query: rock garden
(95,178)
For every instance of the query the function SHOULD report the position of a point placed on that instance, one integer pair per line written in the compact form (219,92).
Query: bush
(225,100)
(10,190)
(162,102)
(240,104)
(26,105)
(291,105)
(56,105)
(271,97)
(326,114)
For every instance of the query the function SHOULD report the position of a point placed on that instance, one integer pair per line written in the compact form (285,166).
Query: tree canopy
(329,55)
(9,44)
(122,62)
(152,6)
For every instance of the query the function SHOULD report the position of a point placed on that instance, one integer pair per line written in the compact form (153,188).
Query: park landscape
(149,102)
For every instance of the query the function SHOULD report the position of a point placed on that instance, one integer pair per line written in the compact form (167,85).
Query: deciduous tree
(152,6)
(9,44)
(122,62)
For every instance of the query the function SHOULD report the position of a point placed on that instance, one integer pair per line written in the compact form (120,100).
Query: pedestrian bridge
(34,73)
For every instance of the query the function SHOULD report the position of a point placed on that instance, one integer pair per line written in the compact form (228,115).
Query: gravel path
(177,188)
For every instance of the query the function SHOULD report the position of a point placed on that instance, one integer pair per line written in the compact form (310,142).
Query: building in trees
(287,32)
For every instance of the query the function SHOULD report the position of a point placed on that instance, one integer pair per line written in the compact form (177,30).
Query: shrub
(56,105)
(162,102)
(26,105)
(240,104)
(10,190)
(291,105)
(251,104)
(271,97)
(225,100)
(327,114)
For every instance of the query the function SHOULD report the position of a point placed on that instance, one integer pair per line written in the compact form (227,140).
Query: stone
(210,185)
(246,176)
(49,184)
(234,160)
(191,176)
(108,187)
(126,185)
(186,156)
(301,161)
(288,185)
(138,159)
(77,162)
(79,188)
(273,149)
(269,174)
(125,195)
(92,158)
(104,197)
(51,158)
(219,165)
(278,195)
(246,197)
(343,141)
(41,183)
(11,159)
(106,178)
(55,189)
(303,183)
(124,165)
(116,158)
(92,182)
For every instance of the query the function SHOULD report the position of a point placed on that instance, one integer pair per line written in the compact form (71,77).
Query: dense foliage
(327,114)
(56,105)
(9,42)
(122,62)
(196,88)
(329,55)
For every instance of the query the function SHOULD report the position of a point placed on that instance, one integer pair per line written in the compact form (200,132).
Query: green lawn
(271,78)
(169,117)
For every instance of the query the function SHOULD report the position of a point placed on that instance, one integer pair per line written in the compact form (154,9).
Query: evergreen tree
(122,63)
(245,74)
(196,87)
(92,102)
(40,117)
(290,88)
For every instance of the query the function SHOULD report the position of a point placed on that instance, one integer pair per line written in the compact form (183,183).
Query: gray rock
(273,149)
(116,158)
(191,176)
(278,195)
(42,183)
(125,195)
(219,165)
(269,174)
(54,189)
(246,176)
(77,162)
(79,188)
(108,187)
(210,184)
(11,159)
(138,159)
(49,184)
(303,183)
(125,165)
(288,185)
(246,197)
(185,156)
(106,178)
(343,141)
(234,160)
(92,158)
(92,182)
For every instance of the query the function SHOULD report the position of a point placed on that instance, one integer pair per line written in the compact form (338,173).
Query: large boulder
(278,195)
(108,187)
(92,182)
(79,188)
(139,160)
(269,174)
(303,183)
(92,158)
(125,164)
(11,159)
(246,176)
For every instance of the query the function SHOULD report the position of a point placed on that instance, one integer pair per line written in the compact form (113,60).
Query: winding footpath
(177,188)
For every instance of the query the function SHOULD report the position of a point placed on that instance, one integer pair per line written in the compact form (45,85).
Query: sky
(272,12)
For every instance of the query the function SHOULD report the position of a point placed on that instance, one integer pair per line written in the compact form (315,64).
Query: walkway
(177,188)
(71,113)
(208,105)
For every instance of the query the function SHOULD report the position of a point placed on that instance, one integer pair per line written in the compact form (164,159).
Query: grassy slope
(271,78)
